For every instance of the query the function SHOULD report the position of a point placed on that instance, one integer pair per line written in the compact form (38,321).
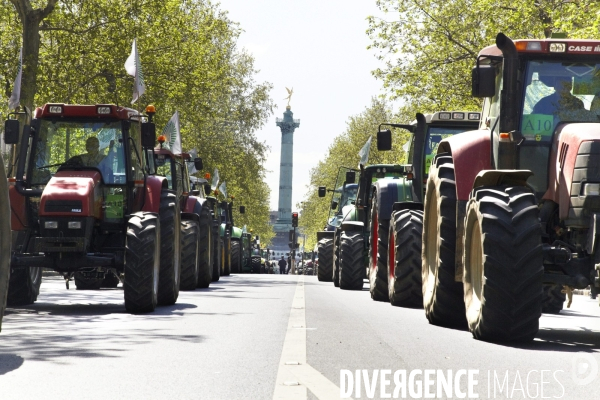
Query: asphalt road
(278,336)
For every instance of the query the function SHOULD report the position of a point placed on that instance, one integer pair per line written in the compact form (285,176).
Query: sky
(318,48)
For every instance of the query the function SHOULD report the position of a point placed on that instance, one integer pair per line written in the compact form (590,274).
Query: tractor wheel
(335,270)
(216,250)
(378,254)
(110,281)
(236,256)
(189,255)
(553,299)
(227,256)
(24,286)
(325,254)
(5,239)
(170,249)
(84,283)
(255,263)
(442,296)
(351,260)
(404,262)
(206,253)
(142,263)
(503,264)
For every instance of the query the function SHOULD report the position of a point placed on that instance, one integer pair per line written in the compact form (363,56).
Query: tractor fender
(390,191)
(185,216)
(498,177)
(407,205)
(470,153)
(349,213)
(352,226)
(236,233)
(154,187)
(325,234)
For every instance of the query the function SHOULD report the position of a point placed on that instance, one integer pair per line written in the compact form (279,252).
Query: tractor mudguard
(222,229)
(470,154)
(407,205)
(185,216)
(390,191)
(236,233)
(325,234)
(154,187)
(352,226)
(498,177)
(349,213)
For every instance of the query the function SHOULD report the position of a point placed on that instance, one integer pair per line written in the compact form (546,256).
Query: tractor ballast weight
(91,214)
(535,159)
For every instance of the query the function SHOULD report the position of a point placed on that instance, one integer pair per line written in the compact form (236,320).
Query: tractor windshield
(435,134)
(555,92)
(70,144)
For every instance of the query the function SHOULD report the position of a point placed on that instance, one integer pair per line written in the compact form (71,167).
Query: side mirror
(11,131)
(242,209)
(334,205)
(384,140)
(198,163)
(483,81)
(322,191)
(207,189)
(350,176)
(148,134)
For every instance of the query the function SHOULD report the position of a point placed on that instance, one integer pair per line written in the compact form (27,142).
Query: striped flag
(133,66)
(15,97)
(171,132)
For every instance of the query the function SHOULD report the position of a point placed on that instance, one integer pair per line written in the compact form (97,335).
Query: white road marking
(293,366)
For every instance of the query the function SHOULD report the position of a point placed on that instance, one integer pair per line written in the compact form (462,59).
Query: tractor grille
(587,169)
(62,205)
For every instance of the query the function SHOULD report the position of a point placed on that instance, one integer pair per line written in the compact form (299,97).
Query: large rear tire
(404,260)
(24,286)
(553,299)
(189,255)
(352,263)
(170,249)
(335,272)
(236,256)
(443,297)
(325,254)
(378,255)
(503,264)
(142,263)
(206,253)
(216,247)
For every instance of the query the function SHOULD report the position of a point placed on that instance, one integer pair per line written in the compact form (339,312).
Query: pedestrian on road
(282,265)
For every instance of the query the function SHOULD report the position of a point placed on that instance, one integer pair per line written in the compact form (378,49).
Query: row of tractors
(91,197)
(496,215)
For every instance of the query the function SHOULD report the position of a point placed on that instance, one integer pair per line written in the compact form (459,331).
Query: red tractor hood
(72,193)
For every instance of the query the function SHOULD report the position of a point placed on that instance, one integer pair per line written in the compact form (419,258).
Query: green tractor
(342,196)
(403,282)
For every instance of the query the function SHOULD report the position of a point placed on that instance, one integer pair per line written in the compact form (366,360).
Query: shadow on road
(9,362)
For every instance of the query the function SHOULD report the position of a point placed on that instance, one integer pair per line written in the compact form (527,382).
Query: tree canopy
(75,50)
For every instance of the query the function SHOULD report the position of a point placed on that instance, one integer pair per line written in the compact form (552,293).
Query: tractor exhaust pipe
(510,99)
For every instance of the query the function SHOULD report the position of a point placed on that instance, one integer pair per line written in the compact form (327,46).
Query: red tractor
(196,219)
(512,211)
(84,204)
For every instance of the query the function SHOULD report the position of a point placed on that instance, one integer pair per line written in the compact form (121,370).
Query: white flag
(171,131)
(15,97)
(364,153)
(215,180)
(133,66)
(193,155)
(223,189)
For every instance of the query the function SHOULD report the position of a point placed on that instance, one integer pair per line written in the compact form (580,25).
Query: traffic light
(294,219)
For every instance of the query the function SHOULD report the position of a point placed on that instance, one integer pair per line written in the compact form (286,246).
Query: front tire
(206,253)
(24,286)
(216,243)
(553,299)
(236,256)
(189,255)
(503,264)
(325,254)
(142,263)
(351,260)
(82,282)
(443,297)
(335,272)
(170,250)
(404,260)
(378,255)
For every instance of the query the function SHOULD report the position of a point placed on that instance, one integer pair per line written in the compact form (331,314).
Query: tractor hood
(72,193)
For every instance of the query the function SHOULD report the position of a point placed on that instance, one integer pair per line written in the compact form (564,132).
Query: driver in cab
(93,157)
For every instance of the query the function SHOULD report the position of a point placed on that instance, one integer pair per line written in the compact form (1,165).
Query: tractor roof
(457,117)
(548,46)
(82,111)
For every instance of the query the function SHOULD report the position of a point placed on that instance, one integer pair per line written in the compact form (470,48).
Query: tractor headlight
(74,224)
(591,189)
(51,224)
